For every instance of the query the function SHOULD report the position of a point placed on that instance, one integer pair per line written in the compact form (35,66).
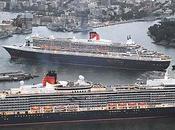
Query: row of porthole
(29,115)
(79,91)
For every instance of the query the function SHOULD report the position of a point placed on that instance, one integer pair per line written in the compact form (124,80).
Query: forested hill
(163,32)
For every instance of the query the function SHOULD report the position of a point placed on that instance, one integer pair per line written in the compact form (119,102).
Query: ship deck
(129,88)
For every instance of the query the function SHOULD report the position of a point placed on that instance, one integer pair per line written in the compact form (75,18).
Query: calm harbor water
(117,33)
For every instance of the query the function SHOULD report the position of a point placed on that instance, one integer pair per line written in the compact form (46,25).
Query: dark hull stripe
(87,116)
(79,121)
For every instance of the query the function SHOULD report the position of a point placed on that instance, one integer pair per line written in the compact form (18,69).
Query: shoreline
(147,19)
(106,24)
(166,43)
(96,25)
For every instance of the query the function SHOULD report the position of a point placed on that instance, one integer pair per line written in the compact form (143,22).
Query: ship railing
(132,88)
(133,56)
(129,87)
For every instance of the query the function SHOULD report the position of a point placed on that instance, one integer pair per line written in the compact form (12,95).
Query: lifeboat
(111,104)
(132,104)
(47,107)
(35,108)
(142,103)
(122,104)
(60,108)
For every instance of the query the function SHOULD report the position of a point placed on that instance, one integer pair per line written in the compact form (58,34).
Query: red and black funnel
(51,77)
(94,35)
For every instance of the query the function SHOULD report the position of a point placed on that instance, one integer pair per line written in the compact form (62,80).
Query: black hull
(85,116)
(90,61)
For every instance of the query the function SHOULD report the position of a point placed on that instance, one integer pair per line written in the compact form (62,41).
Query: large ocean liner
(55,101)
(93,52)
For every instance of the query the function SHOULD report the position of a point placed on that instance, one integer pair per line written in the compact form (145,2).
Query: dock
(16,76)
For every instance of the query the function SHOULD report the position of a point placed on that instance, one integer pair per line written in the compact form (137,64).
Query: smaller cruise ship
(54,101)
(91,52)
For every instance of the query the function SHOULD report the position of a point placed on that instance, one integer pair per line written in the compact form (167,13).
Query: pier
(16,76)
